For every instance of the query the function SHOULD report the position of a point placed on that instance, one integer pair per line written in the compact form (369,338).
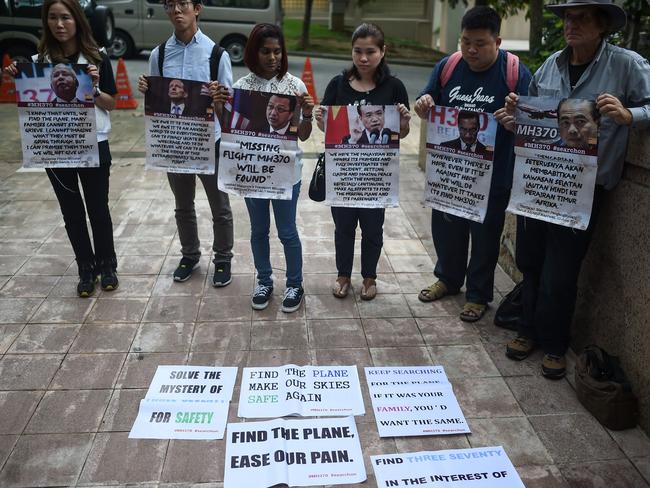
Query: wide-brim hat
(617,17)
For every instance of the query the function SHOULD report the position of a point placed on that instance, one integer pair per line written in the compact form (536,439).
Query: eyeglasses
(183,6)
(278,108)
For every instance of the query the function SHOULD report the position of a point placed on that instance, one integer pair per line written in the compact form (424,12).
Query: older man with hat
(550,255)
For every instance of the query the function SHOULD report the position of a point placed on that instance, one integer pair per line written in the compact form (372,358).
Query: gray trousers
(184,188)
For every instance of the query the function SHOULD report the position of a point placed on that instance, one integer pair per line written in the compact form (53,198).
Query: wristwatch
(97,92)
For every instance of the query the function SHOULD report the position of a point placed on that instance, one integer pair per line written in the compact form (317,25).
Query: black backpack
(215,59)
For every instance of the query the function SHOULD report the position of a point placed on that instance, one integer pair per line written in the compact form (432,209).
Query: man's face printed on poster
(372,118)
(64,82)
(177,92)
(576,123)
(278,112)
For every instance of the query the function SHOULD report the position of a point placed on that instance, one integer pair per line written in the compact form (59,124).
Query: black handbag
(510,309)
(317,183)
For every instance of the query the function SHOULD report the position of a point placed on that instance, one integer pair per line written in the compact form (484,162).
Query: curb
(343,57)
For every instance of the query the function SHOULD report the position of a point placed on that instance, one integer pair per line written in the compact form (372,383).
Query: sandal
(368,289)
(472,312)
(434,292)
(341,287)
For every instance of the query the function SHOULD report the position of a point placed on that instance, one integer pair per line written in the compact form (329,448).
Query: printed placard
(56,111)
(296,452)
(180,419)
(362,156)
(414,401)
(186,402)
(479,467)
(460,153)
(179,126)
(387,377)
(556,160)
(259,143)
(300,390)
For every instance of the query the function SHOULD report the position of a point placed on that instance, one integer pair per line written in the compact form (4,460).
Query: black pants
(372,238)
(451,237)
(550,257)
(94,182)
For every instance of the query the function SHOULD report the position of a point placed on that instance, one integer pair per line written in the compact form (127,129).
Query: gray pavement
(72,371)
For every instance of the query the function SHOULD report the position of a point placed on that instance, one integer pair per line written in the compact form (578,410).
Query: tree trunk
(480,2)
(536,17)
(306,24)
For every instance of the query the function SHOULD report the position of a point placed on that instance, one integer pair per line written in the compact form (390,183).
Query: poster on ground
(414,401)
(362,156)
(556,160)
(460,153)
(185,402)
(56,112)
(300,390)
(305,452)
(259,144)
(480,467)
(179,126)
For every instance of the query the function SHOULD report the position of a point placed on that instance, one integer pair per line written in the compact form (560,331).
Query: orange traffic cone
(7,85)
(124,98)
(308,79)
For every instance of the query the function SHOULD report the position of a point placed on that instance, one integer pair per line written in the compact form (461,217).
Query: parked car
(143,24)
(20,26)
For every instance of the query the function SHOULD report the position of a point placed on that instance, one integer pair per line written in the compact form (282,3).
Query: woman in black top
(67,39)
(367,82)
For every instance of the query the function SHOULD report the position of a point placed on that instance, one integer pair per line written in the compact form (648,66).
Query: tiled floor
(72,371)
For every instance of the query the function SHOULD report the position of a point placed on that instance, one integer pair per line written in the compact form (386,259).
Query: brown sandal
(434,292)
(368,289)
(341,287)
(472,312)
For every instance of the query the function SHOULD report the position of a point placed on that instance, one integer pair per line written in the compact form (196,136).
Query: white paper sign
(414,401)
(56,110)
(296,452)
(460,153)
(179,126)
(362,156)
(300,390)
(556,163)
(467,468)
(259,144)
(180,419)
(186,402)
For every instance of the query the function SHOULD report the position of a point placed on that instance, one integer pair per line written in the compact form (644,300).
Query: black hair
(364,30)
(593,108)
(468,114)
(256,39)
(292,100)
(383,107)
(482,17)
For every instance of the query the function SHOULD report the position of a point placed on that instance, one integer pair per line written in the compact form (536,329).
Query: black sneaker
(292,299)
(222,276)
(185,268)
(109,281)
(261,296)
(87,280)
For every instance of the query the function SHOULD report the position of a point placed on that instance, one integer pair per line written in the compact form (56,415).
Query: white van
(143,24)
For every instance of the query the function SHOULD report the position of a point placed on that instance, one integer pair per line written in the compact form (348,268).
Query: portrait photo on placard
(178,97)
(363,125)
(462,131)
(60,84)
(262,114)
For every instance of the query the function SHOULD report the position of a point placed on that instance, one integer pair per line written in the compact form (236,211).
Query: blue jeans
(284,212)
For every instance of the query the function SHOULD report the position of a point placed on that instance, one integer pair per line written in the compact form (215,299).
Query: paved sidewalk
(72,371)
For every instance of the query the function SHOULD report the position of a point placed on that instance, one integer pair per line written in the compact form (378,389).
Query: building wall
(430,22)
(613,307)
